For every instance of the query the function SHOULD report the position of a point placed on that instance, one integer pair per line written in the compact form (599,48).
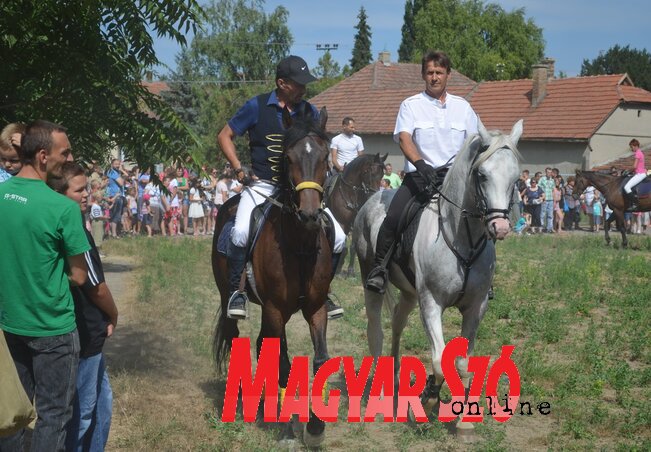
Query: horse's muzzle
(499,228)
(310,218)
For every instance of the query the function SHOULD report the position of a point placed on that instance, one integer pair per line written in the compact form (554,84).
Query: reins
(357,190)
(484,214)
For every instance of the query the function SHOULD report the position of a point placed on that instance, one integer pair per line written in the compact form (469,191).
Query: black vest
(266,141)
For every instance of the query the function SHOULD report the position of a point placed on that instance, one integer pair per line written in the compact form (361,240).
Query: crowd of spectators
(546,204)
(129,201)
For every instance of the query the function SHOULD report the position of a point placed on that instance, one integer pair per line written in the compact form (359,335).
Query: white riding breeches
(633,181)
(251,197)
(340,237)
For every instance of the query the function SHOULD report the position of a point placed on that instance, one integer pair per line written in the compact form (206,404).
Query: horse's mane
(470,157)
(303,125)
(358,162)
(498,141)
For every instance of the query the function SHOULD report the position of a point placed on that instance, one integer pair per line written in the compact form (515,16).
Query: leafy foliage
(484,42)
(327,67)
(240,41)
(230,60)
(362,47)
(618,60)
(406,49)
(80,64)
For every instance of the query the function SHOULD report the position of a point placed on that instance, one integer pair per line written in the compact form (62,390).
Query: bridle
(482,212)
(363,191)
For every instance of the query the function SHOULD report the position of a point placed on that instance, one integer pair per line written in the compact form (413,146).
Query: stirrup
(377,280)
(237,306)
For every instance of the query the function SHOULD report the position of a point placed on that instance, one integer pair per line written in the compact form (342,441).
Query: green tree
(230,60)
(327,67)
(80,63)
(618,60)
(362,47)
(406,49)
(484,42)
(240,42)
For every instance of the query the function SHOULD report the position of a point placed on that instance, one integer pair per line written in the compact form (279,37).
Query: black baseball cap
(294,68)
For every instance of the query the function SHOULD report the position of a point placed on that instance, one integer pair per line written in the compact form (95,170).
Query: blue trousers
(91,420)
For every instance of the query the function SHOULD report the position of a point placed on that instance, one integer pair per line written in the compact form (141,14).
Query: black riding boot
(237,301)
(632,201)
(334,311)
(377,278)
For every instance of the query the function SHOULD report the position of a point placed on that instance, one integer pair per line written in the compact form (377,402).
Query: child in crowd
(98,220)
(597,212)
(196,208)
(523,224)
(145,213)
(385,184)
(130,217)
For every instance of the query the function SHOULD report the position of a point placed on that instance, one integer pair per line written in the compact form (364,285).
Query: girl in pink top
(640,170)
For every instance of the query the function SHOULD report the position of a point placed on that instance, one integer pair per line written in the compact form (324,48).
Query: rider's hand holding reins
(426,171)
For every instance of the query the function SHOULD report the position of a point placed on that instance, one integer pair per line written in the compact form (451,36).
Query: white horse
(453,256)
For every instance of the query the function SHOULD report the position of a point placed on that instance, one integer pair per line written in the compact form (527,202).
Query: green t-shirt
(39,228)
(394,180)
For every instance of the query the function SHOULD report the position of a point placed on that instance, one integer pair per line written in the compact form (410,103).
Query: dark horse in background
(612,187)
(349,190)
(292,257)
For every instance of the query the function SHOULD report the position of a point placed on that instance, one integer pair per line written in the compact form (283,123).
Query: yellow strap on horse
(282,395)
(309,184)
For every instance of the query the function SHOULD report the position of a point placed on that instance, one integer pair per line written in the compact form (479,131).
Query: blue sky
(573,29)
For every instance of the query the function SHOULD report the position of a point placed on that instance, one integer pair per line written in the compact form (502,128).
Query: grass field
(577,311)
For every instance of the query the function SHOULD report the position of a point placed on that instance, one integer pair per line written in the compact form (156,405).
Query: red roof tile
(572,109)
(156,87)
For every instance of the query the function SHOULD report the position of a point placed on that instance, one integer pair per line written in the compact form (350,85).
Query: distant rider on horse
(640,173)
(261,117)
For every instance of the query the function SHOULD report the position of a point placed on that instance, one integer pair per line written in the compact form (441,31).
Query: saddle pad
(643,189)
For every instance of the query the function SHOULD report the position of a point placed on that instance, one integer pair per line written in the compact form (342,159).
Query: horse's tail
(225,331)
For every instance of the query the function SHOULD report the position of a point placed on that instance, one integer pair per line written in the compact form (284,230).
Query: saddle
(407,229)
(642,189)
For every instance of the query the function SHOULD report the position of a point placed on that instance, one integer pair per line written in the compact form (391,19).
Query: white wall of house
(611,139)
(384,144)
(566,156)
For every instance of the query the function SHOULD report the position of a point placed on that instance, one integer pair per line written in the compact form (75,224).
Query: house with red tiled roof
(569,123)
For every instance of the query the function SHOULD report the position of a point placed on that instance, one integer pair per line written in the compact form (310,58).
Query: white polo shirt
(438,130)
(347,147)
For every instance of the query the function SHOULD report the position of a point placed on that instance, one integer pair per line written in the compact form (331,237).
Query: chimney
(539,90)
(149,76)
(549,62)
(384,57)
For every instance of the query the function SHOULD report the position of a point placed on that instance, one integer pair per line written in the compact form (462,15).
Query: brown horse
(291,260)
(351,189)
(612,188)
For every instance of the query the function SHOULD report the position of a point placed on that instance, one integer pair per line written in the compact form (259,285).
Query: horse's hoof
(288,445)
(465,431)
(312,441)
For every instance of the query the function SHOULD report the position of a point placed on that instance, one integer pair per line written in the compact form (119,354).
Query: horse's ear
(384,157)
(323,118)
(287,118)
(483,133)
(516,131)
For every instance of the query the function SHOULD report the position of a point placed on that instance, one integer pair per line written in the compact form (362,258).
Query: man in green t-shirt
(393,178)
(43,245)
